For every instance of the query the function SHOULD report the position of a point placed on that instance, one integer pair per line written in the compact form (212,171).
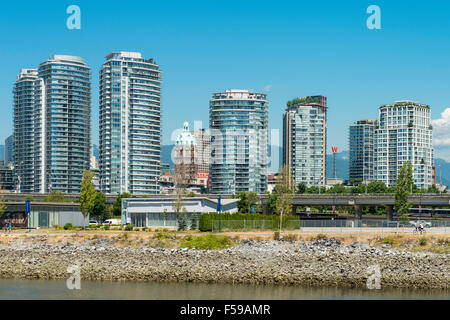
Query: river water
(91,290)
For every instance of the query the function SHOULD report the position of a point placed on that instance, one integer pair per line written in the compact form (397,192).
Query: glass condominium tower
(23,128)
(52,113)
(238,122)
(304,140)
(362,150)
(404,134)
(130,124)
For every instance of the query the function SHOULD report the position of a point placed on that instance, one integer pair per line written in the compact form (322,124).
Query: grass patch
(164,235)
(443,242)
(320,236)
(290,237)
(392,240)
(207,242)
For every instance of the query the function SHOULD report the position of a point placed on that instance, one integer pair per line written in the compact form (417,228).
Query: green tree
(391,189)
(361,188)
(402,189)
(301,188)
(55,196)
(182,220)
(253,200)
(376,187)
(117,205)
(99,207)
(312,190)
(177,204)
(338,188)
(272,203)
(108,213)
(87,193)
(355,182)
(284,193)
(243,203)
(433,189)
(2,206)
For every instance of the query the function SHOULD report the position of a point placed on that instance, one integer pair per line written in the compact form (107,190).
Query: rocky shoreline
(322,262)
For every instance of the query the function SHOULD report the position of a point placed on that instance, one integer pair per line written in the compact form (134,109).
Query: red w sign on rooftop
(334,149)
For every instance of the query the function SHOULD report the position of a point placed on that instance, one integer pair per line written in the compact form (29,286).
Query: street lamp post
(220,216)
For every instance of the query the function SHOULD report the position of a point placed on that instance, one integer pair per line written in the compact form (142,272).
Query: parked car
(93,222)
(425,224)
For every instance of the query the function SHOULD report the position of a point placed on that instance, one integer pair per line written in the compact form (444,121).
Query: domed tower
(184,158)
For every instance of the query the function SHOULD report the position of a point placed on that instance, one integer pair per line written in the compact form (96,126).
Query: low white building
(159,212)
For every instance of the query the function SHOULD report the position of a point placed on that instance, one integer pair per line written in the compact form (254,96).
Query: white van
(112,221)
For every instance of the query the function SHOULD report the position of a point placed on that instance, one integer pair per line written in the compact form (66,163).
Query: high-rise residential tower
(9,150)
(24,102)
(130,124)
(62,124)
(239,142)
(404,134)
(304,140)
(202,149)
(52,112)
(362,150)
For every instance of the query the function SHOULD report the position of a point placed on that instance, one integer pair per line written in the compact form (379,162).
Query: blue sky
(284,48)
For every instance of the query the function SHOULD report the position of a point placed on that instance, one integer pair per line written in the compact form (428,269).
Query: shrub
(144,229)
(321,236)
(164,235)
(161,236)
(129,227)
(68,226)
(194,222)
(106,227)
(276,235)
(423,241)
(290,237)
(387,240)
(182,221)
(271,222)
(205,222)
(207,242)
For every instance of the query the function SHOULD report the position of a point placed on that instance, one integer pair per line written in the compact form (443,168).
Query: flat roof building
(304,140)
(238,121)
(362,150)
(130,124)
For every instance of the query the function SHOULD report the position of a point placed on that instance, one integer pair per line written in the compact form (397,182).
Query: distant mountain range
(342,160)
